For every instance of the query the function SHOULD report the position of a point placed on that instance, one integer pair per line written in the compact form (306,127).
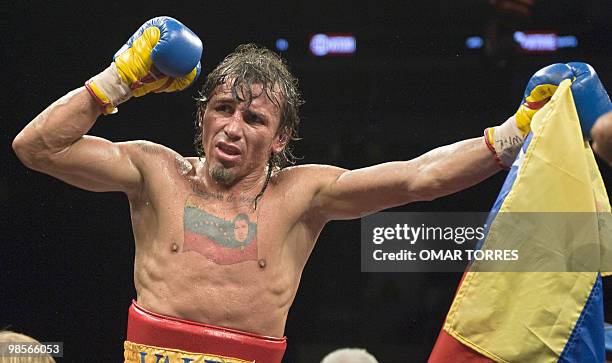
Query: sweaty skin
(235,290)
(203,251)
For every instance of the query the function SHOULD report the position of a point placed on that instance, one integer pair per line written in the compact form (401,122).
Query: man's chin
(222,175)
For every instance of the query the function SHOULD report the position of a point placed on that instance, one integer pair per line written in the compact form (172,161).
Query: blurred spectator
(349,355)
(7,336)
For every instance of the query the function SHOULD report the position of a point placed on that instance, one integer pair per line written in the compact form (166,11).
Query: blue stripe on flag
(586,343)
(505,189)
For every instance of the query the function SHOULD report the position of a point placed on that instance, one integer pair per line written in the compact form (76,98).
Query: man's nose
(233,129)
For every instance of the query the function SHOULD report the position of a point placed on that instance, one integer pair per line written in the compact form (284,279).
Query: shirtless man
(222,238)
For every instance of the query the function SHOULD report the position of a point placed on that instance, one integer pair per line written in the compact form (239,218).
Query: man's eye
(223,108)
(255,119)
(252,118)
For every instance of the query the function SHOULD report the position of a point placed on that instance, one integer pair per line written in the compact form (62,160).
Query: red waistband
(149,328)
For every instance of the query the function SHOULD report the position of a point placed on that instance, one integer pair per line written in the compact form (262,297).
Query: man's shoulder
(146,147)
(148,153)
(304,183)
(311,169)
(311,174)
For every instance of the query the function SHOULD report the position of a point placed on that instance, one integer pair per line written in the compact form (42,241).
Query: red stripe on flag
(448,349)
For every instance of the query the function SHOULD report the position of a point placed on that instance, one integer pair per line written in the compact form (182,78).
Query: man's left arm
(448,169)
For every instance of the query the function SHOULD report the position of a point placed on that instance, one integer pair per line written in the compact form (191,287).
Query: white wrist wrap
(507,141)
(108,89)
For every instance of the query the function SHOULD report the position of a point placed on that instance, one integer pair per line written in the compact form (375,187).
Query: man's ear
(279,143)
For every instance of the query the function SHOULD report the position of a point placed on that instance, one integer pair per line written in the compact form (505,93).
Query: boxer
(222,237)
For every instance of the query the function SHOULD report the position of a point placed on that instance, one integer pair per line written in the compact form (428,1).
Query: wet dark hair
(248,65)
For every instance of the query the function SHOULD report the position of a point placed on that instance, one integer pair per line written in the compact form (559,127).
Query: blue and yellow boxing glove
(162,56)
(590,98)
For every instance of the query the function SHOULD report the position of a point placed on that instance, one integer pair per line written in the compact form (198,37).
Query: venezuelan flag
(538,316)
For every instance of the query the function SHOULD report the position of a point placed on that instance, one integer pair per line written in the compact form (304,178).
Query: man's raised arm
(162,56)
(448,169)
(53,143)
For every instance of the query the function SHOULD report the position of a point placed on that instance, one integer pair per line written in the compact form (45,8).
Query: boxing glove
(590,98)
(162,56)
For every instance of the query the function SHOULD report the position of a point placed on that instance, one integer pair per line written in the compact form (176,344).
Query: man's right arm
(55,143)
(162,56)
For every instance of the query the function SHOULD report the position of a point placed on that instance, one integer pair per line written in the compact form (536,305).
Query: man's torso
(213,257)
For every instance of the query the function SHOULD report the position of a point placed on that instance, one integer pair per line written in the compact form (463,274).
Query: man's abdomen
(240,296)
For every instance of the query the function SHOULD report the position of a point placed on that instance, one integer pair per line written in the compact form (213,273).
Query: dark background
(66,255)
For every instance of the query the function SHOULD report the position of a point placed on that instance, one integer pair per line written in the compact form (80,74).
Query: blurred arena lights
(282,44)
(544,41)
(567,41)
(532,41)
(321,45)
(474,42)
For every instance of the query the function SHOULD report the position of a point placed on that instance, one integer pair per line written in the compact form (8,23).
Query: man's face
(238,140)
(241,230)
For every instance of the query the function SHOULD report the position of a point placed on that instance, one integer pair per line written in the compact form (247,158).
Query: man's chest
(223,228)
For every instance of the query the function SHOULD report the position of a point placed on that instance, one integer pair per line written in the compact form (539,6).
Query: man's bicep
(96,164)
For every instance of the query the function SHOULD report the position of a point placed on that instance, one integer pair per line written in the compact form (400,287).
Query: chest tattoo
(221,234)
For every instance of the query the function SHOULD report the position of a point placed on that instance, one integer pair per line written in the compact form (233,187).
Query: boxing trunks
(156,338)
